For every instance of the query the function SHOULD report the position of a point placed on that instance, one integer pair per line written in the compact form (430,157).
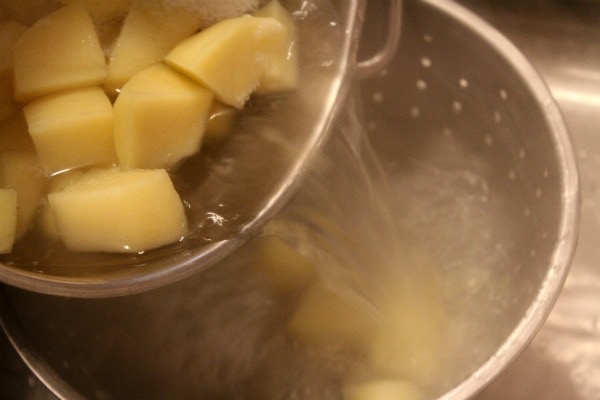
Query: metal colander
(231,185)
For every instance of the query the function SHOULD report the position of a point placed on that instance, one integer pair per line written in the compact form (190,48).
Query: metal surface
(477,120)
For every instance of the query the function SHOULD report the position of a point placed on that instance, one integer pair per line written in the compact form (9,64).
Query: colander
(237,188)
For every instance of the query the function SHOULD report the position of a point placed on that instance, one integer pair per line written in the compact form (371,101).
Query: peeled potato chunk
(55,183)
(281,73)
(8,219)
(410,343)
(220,121)
(325,316)
(119,211)
(72,129)
(285,269)
(21,172)
(229,57)
(59,52)
(149,32)
(160,118)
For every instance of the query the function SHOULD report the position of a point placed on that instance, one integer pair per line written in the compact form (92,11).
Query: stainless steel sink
(562,40)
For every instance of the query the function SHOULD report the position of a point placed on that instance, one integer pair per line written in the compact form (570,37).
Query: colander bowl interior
(473,136)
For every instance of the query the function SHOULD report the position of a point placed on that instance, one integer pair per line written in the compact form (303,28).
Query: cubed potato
(102,9)
(10,32)
(160,118)
(119,211)
(59,52)
(27,12)
(21,171)
(326,316)
(72,129)
(55,183)
(410,343)
(281,73)
(383,389)
(285,269)
(8,219)
(220,123)
(229,57)
(149,32)
(14,134)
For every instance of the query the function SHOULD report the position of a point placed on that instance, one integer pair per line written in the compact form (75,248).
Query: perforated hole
(421,85)
(415,111)
(457,107)
(497,117)
(377,97)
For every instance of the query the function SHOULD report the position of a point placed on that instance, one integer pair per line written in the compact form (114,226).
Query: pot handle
(370,67)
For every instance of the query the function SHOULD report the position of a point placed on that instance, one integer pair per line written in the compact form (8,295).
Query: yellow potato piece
(59,52)
(410,343)
(149,32)
(286,270)
(383,389)
(55,183)
(14,134)
(325,316)
(160,118)
(229,57)
(116,211)
(72,129)
(281,73)
(220,123)
(10,32)
(102,9)
(21,171)
(8,219)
